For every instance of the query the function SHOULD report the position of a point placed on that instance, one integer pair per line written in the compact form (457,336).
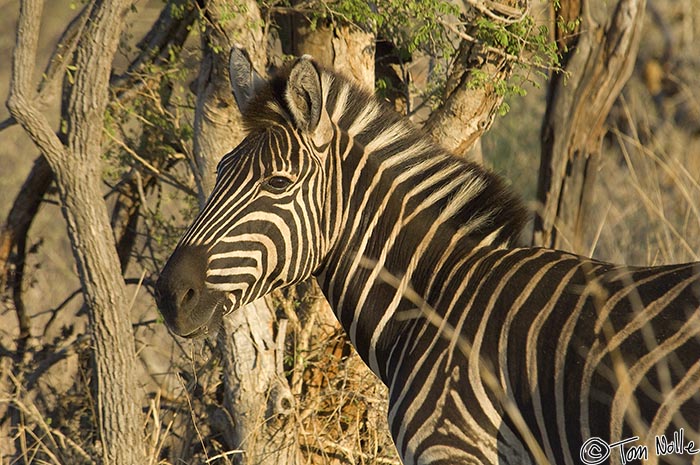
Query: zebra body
(492,354)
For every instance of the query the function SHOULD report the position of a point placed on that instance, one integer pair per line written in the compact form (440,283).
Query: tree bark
(78,177)
(599,61)
(56,67)
(168,32)
(468,113)
(256,392)
(343,47)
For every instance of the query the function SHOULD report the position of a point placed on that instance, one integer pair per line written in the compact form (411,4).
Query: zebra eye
(277,183)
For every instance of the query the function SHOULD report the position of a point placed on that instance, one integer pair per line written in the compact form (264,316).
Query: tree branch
(57,65)
(21,101)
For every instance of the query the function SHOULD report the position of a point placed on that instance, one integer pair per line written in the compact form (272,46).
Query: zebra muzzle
(189,308)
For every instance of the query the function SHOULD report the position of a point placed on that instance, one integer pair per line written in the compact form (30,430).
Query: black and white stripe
(492,354)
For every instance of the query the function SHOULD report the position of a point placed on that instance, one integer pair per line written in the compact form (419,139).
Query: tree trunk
(600,59)
(78,177)
(256,392)
(468,112)
(343,47)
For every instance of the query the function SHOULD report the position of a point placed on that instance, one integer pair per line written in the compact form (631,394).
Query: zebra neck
(401,231)
(378,295)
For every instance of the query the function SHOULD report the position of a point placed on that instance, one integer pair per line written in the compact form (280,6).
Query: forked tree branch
(57,65)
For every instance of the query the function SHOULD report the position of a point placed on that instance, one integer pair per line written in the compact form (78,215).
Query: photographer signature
(595,450)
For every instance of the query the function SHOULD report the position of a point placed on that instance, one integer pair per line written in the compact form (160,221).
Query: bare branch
(22,99)
(57,65)
(499,12)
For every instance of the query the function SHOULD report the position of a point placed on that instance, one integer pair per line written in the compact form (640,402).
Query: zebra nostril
(189,299)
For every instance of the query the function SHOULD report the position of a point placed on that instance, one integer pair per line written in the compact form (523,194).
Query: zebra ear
(303,95)
(245,81)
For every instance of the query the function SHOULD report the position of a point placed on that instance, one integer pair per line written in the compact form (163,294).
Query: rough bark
(467,113)
(343,47)
(167,32)
(599,61)
(78,176)
(257,395)
(56,67)
(13,236)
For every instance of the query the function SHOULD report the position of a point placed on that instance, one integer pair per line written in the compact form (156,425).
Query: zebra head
(265,224)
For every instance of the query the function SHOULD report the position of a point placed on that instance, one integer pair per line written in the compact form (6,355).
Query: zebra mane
(375,126)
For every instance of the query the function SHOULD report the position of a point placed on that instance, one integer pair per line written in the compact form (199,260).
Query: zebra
(493,353)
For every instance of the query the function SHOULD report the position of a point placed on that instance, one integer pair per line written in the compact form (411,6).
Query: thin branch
(498,11)
(32,413)
(167,33)
(57,309)
(22,99)
(62,55)
(58,63)
(491,49)
(167,178)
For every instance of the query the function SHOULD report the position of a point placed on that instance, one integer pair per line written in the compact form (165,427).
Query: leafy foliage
(412,25)
(529,45)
